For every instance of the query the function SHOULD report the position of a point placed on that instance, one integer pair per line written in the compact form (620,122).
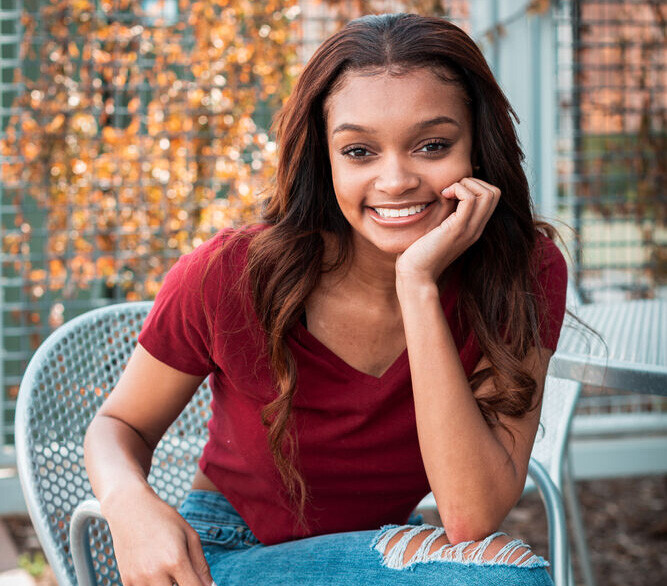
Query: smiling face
(395,142)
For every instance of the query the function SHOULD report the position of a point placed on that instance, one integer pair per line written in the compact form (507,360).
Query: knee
(404,546)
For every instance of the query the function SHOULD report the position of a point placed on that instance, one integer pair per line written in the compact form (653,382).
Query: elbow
(467,530)
(473,524)
(474,519)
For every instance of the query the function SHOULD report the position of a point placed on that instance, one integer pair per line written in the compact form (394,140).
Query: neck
(368,271)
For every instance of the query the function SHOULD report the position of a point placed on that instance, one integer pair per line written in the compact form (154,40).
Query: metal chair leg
(580,541)
(558,546)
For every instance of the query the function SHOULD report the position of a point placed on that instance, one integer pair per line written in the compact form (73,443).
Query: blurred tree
(139,134)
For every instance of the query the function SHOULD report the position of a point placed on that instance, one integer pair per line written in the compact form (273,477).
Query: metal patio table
(635,355)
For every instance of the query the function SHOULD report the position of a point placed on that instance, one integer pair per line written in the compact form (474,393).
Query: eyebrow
(419,126)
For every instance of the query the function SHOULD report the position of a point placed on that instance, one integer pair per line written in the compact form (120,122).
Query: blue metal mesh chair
(66,382)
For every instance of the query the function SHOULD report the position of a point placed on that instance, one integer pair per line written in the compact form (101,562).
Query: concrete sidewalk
(9,555)
(10,573)
(17,578)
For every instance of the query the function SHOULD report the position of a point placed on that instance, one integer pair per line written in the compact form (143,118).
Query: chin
(395,246)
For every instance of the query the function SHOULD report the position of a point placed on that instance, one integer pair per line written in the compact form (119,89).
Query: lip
(400,221)
(401,205)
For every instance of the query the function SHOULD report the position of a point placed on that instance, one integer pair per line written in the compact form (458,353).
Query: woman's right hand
(154,545)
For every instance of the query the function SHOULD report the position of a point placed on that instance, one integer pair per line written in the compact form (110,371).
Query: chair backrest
(67,380)
(573,298)
(558,403)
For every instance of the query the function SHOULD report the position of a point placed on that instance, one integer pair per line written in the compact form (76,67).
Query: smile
(400,217)
(400,213)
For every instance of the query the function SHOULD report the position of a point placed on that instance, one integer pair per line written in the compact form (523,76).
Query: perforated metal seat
(66,382)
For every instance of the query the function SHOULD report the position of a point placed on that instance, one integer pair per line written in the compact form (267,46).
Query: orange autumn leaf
(37,275)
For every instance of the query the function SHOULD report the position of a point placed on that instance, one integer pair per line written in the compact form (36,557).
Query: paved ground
(626,521)
(8,550)
(626,525)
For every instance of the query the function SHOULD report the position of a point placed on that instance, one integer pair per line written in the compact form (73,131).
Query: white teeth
(394,213)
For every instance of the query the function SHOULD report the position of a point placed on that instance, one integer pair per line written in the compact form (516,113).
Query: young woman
(384,332)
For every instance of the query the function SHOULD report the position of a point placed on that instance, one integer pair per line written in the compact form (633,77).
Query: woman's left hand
(426,258)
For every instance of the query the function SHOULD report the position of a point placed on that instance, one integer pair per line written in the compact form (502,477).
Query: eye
(355,152)
(436,146)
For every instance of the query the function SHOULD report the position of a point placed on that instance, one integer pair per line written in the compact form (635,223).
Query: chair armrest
(84,513)
(553,503)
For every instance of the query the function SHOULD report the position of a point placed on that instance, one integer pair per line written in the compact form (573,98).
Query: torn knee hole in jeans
(434,547)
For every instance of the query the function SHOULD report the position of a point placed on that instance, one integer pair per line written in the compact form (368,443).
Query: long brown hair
(285,260)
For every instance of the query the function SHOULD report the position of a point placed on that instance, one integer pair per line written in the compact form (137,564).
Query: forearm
(117,459)
(470,472)
(152,543)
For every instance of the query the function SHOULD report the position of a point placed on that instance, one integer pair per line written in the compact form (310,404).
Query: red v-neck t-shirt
(357,436)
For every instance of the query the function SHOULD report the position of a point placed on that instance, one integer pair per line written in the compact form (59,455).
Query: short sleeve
(176,330)
(551,290)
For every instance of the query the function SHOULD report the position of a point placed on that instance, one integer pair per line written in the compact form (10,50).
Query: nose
(395,177)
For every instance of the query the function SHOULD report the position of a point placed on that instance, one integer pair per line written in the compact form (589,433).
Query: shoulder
(178,328)
(548,258)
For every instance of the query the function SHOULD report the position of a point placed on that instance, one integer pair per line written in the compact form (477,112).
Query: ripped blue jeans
(237,558)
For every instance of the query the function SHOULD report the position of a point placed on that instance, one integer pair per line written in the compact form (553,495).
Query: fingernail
(213,583)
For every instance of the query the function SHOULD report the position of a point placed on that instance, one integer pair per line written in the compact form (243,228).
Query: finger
(488,197)
(185,575)
(493,188)
(464,210)
(148,573)
(198,559)
(473,219)
(482,189)
(163,579)
(477,188)
(183,571)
